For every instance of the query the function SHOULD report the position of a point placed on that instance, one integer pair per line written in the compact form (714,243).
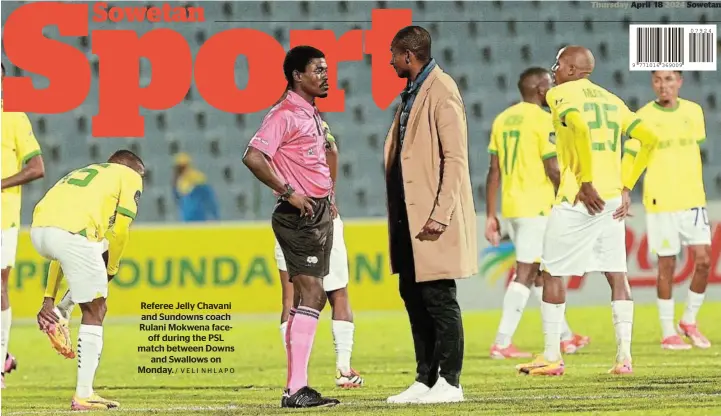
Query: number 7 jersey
(86,200)
(607,117)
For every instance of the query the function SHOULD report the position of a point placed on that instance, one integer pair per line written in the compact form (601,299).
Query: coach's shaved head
(129,159)
(572,63)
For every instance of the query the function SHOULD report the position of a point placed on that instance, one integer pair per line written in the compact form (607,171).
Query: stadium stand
(484,45)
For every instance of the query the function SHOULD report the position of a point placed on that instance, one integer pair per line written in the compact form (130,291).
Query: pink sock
(302,334)
(287,342)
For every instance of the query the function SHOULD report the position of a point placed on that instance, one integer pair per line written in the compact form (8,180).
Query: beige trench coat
(437,182)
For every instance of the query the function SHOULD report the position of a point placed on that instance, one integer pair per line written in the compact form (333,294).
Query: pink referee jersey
(292,136)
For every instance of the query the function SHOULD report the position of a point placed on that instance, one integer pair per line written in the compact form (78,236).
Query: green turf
(664,382)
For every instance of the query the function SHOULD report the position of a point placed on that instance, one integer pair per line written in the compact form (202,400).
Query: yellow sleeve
(130,190)
(493,142)
(546,142)
(699,126)
(647,139)
(629,119)
(582,144)
(117,238)
(27,144)
(631,148)
(55,275)
(561,103)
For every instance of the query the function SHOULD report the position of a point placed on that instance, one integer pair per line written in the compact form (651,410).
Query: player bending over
(69,225)
(22,163)
(675,202)
(335,286)
(523,159)
(580,238)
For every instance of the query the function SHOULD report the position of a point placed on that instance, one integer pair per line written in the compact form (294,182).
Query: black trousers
(434,315)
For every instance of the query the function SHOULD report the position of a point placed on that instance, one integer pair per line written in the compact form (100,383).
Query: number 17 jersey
(607,118)
(87,200)
(520,137)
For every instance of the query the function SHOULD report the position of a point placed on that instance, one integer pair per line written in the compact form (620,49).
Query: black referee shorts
(306,242)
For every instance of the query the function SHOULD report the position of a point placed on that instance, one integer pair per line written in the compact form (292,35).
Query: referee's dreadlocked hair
(297,59)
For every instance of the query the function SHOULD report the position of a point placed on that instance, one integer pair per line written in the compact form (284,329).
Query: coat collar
(420,98)
(392,137)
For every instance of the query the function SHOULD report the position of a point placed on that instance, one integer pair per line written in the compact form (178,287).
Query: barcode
(672,47)
(659,44)
(700,47)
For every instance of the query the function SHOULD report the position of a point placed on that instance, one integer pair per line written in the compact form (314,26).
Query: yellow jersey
(674,180)
(18,146)
(607,117)
(521,138)
(87,200)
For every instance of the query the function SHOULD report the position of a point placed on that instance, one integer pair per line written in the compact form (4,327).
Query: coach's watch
(288,192)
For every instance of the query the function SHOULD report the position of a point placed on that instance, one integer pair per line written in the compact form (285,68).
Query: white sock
(552,324)
(66,305)
(513,304)
(343,340)
(566,333)
(623,324)
(665,314)
(537,293)
(283,328)
(693,304)
(90,346)
(7,320)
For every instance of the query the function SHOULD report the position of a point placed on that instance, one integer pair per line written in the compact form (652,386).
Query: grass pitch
(665,382)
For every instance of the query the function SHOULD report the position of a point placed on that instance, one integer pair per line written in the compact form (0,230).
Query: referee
(288,154)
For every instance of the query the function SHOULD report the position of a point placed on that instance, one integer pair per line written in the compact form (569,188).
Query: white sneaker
(411,394)
(442,392)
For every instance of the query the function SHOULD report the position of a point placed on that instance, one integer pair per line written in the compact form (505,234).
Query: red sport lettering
(119,51)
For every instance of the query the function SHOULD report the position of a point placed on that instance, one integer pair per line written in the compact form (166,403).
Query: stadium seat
(483,45)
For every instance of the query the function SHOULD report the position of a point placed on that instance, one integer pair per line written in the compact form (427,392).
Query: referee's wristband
(288,192)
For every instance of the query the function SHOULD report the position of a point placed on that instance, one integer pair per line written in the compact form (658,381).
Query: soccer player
(588,121)
(523,160)
(288,155)
(675,202)
(69,225)
(22,163)
(335,286)
(60,336)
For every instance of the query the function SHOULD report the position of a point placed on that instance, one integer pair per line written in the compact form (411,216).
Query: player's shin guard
(623,324)
(693,304)
(553,316)
(7,319)
(343,340)
(666,309)
(302,333)
(90,346)
(514,302)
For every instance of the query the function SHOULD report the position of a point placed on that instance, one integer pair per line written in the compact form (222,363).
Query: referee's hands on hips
(431,231)
(303,203)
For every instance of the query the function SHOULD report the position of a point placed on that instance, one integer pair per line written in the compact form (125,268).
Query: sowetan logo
(120,96)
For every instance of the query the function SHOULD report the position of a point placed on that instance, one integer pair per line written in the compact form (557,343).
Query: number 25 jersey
(87,200)
(607,117)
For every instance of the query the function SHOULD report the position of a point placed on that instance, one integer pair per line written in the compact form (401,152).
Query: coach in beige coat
(431,216)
